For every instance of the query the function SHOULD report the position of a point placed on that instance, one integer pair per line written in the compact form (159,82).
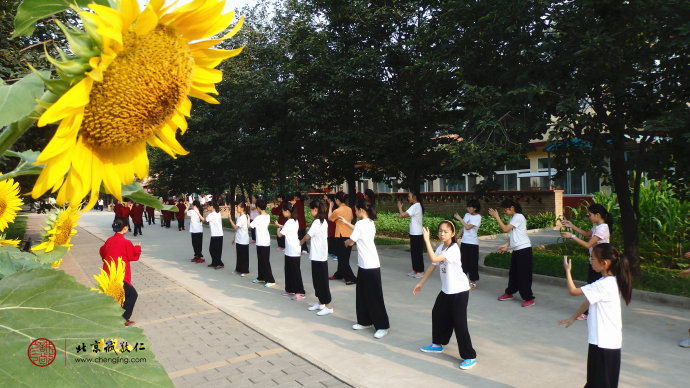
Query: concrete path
(517,347)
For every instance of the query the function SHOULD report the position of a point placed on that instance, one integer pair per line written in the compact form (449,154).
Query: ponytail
(365,205)
(321,209)
(418,196)
(288,207)
(507,203)
(597,208)
(620,267)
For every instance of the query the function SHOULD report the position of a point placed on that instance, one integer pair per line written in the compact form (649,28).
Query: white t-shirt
(415,213)
(363,234)
(263,238)
(601,231)
(469,236)
(242,231)
(518,235)
(253,211)
(318,233)
(194,222)
(215,223)
(604,323)
(289,230)
(202,201)
(453,279)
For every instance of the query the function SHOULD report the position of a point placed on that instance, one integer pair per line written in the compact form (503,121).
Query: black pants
(369,299)
(215,248)
(469,256)
(603,367)
(253,233)
(450,313)
(331,246)
(152,220)
(520,274)
(319,276)
(263,255)
(137,229)
(130,299)
(344,270)
(416,249)
(300,235)
(167,222)
(197,239)
(281,242)
(293,275)
(180,223)
(242,265)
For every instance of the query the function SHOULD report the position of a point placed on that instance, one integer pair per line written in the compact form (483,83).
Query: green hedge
(662,280)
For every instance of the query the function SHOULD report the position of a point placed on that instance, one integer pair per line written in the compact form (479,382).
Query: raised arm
(505,228)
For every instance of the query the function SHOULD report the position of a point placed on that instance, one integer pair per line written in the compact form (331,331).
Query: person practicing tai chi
(118,246)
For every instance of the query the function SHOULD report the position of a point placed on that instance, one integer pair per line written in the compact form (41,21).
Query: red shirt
(121,211)
(180,213)
(278,211)
(299,209)
(137,214)
(118,246)
(150,210)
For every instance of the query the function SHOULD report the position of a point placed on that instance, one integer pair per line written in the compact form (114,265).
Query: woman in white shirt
(241,239)
(196,230)
(294,286)
(520,274)
(215,247)
(370,306)
(263,245)
(415,212)
(318,235)
(450,308)
(469,245)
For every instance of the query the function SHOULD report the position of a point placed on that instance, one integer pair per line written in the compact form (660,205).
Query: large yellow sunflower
(137,69)
(60,229)
(9,202)
(111,283)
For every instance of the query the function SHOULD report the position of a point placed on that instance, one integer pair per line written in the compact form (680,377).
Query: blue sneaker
(468,363)
(432,349)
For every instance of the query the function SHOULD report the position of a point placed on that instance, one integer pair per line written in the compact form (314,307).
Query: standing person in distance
(215,246)
(301,220)
(415,212)
(196,230)
(342,216)
(150,215)
(278,211)
(370,196)
(181,209)
(605,324)
(370,305)
(318,235)
(121,209)
(450,309)
(329,199)
(241,239)
(293,274)
(253,213)
(263,245)
(520,273)
(137,214)
(469,244)
(118,246)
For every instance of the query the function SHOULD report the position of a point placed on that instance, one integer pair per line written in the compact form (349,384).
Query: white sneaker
(315,307)
(380,333)
(269,285)
(418,275)
(412,274)
(684,343)
(325,311)
(357,326)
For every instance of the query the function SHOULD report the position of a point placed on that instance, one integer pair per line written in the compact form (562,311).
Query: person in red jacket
(118,246)
(137,214)
(121,210)
(150,213)
(299,209)
(167,215)
(278,211)
(180,213)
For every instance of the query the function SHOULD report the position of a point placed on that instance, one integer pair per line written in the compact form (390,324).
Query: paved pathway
(517,347)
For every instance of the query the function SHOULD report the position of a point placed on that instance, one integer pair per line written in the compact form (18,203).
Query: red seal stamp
(41,352)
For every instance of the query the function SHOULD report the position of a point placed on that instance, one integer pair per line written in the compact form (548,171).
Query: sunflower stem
(15,130)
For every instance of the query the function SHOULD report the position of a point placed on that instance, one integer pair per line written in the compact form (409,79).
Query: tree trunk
(232,202)
(351,182)
(629,218)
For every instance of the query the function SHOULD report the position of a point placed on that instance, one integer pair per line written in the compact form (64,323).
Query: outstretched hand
(493,213)
(425,233)
(567,322)
(567,264)
(416,289)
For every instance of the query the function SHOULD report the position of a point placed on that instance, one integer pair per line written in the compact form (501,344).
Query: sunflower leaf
(13,260)
(47,303)
(19,99)
(135,193)
(31,11)
(25,166)
(56,253)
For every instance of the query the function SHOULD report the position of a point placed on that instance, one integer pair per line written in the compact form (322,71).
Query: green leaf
(13,260)
(26,165)
(45,258)
(46,303)
(31,11)
(136,193)
(19,99)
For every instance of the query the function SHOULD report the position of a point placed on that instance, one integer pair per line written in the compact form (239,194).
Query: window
(543,163)
(507,181)
(383,187)
(456,184)
(593,184)
(525,183)
(471,182)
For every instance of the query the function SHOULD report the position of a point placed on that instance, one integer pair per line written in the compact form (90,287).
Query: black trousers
(263,255)
(344,270)
(331,246)
(180,223)
(603,367)
(137,229)
(281,242)
(469,256)
(450,313)
(167,222)
(242,265)
(300,235)
(369,299)
(253,233)
(130,299)
(215,248)
(520,274)
(416,250)
(293,275)
(197,239)
(319,276)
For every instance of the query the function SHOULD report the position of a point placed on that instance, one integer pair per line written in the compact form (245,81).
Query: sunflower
(9,202)
(60,229)
(129,86)
(110,282)
(13,243)
(56,264)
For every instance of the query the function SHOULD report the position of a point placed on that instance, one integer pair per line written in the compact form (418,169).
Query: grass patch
(662,280)
(17,229)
